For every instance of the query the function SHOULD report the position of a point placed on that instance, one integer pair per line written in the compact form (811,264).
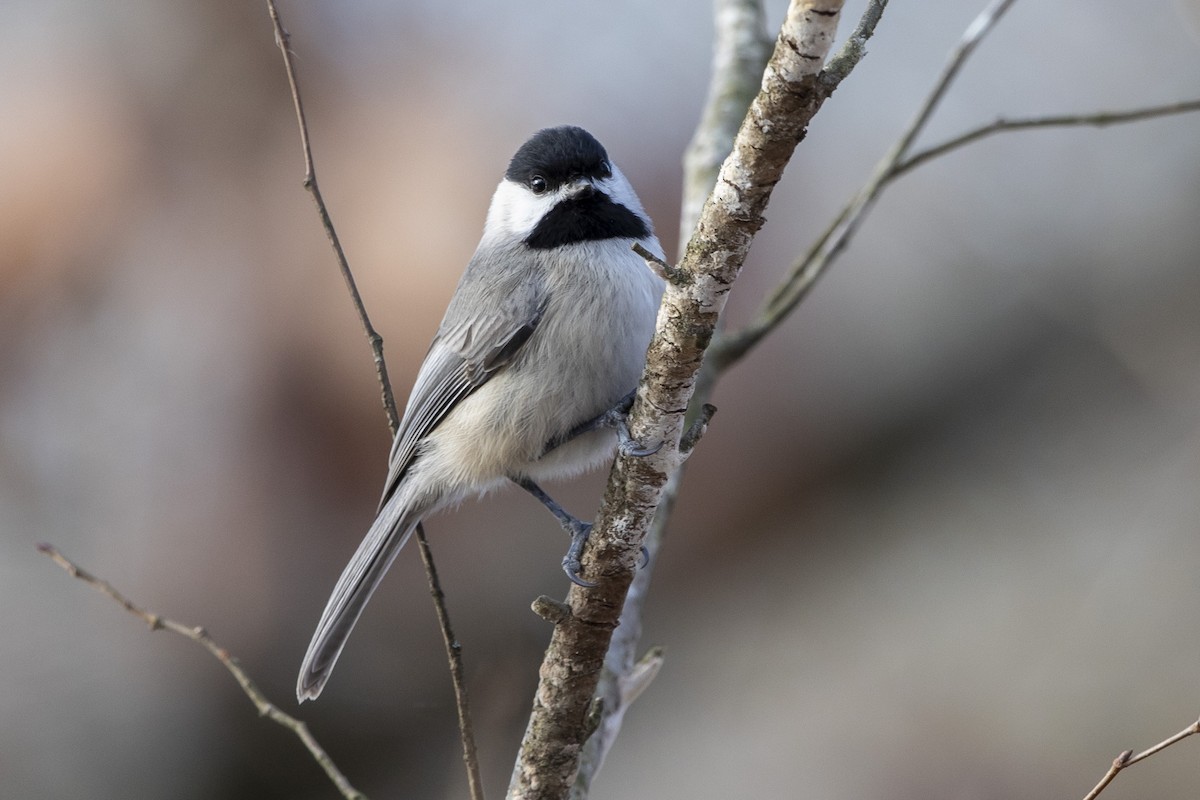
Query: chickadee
(536,358)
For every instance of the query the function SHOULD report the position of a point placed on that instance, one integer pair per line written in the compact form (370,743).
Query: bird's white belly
(559,380)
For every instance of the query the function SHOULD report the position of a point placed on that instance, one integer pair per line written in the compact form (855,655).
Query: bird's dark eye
(538,185)
(605,170)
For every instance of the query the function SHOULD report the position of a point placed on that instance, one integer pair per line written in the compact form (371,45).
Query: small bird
(531,370)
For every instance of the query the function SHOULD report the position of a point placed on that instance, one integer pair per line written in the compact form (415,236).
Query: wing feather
(464,355)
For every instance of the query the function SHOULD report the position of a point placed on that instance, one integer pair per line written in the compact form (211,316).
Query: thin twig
(854,48)
(283,40)
(454,656)
(667,272)
(1128,759)
(1097,119)
(833,241)
(453,647)
(200,636)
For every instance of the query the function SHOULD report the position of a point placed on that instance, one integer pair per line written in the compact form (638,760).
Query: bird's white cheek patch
(515,211)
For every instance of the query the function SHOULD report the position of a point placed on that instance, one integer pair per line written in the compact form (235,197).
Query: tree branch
(738,63)
(453,648)
(839,67)
(741,48)
(787,100)
(829,245)
(1128,759)
(200,636)
(740,53)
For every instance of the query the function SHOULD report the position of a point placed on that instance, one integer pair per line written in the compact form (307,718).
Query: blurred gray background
(942,540)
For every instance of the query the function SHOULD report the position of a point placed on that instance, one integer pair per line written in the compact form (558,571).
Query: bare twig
(740,52)
(897,162)
(1117,765)
(661,268)
(1128,759)
(283,40)
(1097,119)
(200,636)
(854,48)
(453,648)
(466,730)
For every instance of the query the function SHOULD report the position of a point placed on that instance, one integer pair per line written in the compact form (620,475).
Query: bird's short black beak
(585,192)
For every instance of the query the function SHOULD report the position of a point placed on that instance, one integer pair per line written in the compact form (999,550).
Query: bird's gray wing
(484,329)
(496,308)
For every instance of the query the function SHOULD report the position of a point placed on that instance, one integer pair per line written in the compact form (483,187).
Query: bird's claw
(626,444)
(571,566)
(629,447)
(570,562)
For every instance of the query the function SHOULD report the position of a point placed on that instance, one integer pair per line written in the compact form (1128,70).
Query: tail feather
(354,588)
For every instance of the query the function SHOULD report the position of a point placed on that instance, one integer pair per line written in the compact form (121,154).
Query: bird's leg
(615,417)
(575,527)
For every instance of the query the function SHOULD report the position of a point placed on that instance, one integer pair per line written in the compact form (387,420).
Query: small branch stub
(551,610)
(697,429)
(662,269)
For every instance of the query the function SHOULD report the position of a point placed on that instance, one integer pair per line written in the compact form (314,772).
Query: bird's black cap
(559,155)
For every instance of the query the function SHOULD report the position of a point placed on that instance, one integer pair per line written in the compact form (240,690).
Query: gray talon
(572,569)
(570,562)
(627,445)
(632,448)
(576,528)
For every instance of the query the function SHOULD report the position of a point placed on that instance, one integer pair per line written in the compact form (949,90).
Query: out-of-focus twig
(741,48)
(1128,759)
(898,161)
(1099,119)
(200,636)
(453,647)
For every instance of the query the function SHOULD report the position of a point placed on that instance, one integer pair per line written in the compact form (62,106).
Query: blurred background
(942,539)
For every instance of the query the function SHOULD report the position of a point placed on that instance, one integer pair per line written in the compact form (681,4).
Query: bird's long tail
(362,575)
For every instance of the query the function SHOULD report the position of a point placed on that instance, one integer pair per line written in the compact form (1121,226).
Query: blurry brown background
(942,540)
